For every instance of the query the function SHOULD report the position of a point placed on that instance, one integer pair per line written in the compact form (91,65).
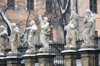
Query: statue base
(2,54)
(30,51)
(89,57)
(14,54)
(70,47)
(70,57)
(13,61)
(45,59)
(46,50)
(89,46)
(2,59)
(30,59)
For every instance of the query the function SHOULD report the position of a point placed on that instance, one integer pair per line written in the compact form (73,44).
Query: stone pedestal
(89,57)
(13,61)
(45,59)
(2,59)
(70,57)
(30,59)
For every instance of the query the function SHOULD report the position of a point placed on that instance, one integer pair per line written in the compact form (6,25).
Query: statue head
(2,27)
(13,25)
(45,19)
(89,13)
(73,15)
(32,22)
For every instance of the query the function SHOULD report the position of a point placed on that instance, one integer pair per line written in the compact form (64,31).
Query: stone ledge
(64,51)
(27,55)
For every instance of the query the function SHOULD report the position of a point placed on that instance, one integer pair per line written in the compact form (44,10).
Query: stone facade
(20,14)
(83,5)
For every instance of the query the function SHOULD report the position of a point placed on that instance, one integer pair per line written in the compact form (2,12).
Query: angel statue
(89,30)
(44,34)
(32,37)
(14,39)
(71,28)
(3,39)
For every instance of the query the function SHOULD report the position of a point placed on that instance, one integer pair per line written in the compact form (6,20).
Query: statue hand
(40,18)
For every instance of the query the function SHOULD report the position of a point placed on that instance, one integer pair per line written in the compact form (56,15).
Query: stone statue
(71,28)
(14,39)
(32,37)
(44,34)
(3,39)
(89,30)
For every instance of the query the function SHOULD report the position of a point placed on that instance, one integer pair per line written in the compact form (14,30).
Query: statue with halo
(71,28)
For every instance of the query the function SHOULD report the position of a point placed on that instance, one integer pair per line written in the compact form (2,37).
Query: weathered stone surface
(44,34)
(30,59)
(70,57)
(45,59)
(2,61)
(71,28)
(89,31)
(89,57)
(13,61)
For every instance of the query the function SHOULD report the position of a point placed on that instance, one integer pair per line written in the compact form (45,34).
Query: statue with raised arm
(32,37)
(89,30)
(71,28)
(3,39)
(44,34)
(14,39)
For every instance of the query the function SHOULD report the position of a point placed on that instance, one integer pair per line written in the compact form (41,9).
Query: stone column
(89,57)
(13,61)
(45,59)
(30,59)
(70,57)
(2,61)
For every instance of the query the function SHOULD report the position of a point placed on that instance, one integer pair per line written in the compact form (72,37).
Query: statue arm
(76,24)
(85,20)
(73,26)
(46,26)
(65,28)
(34,28)
(3,33)
(89,24)
(40,18)
(16,30)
